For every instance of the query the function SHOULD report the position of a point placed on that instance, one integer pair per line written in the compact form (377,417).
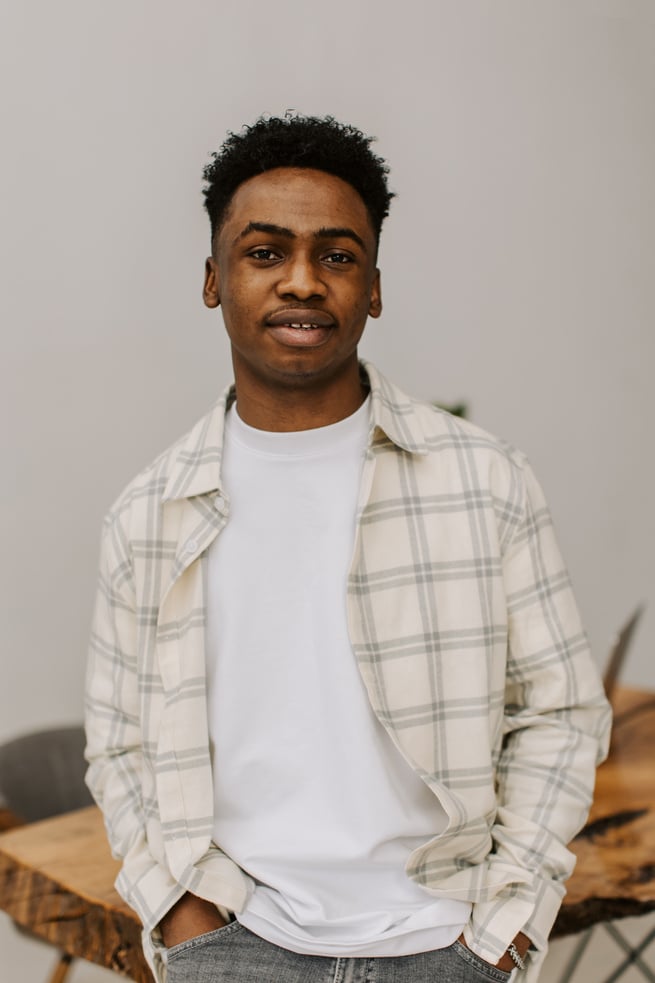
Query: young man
(342,719)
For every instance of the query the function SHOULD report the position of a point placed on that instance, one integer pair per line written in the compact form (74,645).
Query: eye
(338,257)
(263,254)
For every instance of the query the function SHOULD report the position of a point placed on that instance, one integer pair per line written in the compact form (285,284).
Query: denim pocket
(216,935)
(485,969)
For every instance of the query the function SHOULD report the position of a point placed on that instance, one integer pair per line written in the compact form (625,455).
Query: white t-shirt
(312,798)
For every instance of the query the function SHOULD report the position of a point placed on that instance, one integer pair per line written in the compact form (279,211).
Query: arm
(556,732)
(113,731)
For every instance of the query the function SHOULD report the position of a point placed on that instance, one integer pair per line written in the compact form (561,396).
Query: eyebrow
(339,232)
(335,232)
(274,230)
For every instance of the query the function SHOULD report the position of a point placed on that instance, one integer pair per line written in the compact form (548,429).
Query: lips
(300,327)
(301,317)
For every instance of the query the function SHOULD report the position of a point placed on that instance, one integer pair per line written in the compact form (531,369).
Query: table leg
(633,956)
(61,969)
(576,956)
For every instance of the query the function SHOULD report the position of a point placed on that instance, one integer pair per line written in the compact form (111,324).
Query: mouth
(303,326)
(300,327)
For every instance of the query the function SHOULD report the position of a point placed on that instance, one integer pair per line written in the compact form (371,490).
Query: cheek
(360,303)
(238,302)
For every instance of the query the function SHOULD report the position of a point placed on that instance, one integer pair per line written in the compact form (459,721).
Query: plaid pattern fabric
(467,636)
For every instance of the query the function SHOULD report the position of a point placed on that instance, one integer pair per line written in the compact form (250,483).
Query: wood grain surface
(56,879)
(615,870)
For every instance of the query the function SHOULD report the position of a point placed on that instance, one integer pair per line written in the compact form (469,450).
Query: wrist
(189,917)
(514,955)
(521,943)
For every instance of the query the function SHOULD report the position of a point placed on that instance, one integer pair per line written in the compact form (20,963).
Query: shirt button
(219,503)
(190,546)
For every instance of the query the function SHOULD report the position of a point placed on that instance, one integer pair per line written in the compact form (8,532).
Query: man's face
(293,269)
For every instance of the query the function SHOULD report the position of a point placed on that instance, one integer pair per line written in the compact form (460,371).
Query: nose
(301,279)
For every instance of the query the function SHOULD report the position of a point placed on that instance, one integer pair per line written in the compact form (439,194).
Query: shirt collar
(393,413)
(196,467)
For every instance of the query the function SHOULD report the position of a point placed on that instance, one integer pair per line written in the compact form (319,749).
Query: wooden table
(56,879)
(615,870)
(56,876)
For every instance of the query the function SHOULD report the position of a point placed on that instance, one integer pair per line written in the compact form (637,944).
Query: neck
(304,406)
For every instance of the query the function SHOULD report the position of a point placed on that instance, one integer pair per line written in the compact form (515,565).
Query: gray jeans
(235,954)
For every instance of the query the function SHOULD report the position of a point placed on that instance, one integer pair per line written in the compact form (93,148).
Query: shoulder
(189,465)
(443,430)
(451,461)
(427,430)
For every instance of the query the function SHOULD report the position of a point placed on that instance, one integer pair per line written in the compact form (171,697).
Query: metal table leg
(633,955)
(576,956)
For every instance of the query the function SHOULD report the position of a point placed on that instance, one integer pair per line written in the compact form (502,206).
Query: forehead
(298,198)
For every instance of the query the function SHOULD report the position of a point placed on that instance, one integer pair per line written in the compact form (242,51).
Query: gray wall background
(517,263)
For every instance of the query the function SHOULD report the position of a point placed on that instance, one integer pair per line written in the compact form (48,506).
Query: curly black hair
(297,141)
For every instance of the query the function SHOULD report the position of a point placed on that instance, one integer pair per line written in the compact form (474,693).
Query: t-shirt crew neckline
(297,443)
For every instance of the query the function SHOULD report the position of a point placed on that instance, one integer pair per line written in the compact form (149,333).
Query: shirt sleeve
(114,743)
(556,732)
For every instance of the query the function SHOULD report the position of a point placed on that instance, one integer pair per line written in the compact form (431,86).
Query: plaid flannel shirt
(466,633)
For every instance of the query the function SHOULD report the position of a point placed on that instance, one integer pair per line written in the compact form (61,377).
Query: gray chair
(42,775)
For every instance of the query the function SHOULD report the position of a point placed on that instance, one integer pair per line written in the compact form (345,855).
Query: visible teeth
(303,326)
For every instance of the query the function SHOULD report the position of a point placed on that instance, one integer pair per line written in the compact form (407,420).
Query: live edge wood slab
(56,876)
(56,880)
(615,871)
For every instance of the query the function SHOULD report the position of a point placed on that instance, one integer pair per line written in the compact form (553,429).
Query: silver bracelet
(515,956)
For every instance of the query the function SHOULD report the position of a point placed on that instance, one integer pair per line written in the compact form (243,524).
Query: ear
(211,290)
(375,304)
